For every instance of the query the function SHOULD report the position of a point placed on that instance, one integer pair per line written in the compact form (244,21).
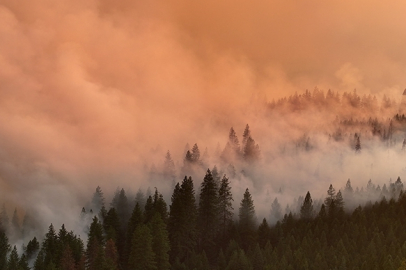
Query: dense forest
(201,227)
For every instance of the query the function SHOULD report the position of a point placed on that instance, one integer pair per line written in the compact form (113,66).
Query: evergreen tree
(67,260)
(135,220)
(239,261)
(247,222)
(23,263)
(208,213)
(195,153)
(330,200)
(225,208)
(4,249)
(97,201)
(142,256)
(276,210)
(111,254)
(50,246)
(306,211)
(264,233)
(13,260)
(357,144)
(169,167)
(251,150)
(182,220)
(95,243)
(245,136)
(160,242)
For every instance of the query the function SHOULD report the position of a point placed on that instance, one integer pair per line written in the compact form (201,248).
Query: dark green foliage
(264,233)
(13,260)
(4,249)
(32,248)
(247,220)
(23,263)
(306,211)
(239,261)
(225,208)
(182,220)
(208,215)
(142,256)
(160,242)
(95,242)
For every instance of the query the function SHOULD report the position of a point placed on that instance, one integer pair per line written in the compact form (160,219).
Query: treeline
(202,232)
(320,100)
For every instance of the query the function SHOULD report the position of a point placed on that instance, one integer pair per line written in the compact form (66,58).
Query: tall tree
(13,260)
(169,167)
(195,153)
(247,220)
(245,136)
(276,210)
(160,242)
(142,256)
(95,243)
(208,213)
(182,220)
(306,211)
(225,208)
(251,150)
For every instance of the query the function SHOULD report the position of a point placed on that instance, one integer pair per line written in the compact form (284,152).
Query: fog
(96,92)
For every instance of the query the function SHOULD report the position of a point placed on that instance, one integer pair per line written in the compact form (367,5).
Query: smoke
(95,93)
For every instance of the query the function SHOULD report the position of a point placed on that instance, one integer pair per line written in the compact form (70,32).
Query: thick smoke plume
(95,93)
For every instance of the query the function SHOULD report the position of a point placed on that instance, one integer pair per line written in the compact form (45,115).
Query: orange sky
(87,88)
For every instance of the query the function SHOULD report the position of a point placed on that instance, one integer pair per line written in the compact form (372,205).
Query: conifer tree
(251,151)
(136,219)
(95,243)
(276,210)
(169,167)
(225,207)
(264,233)
(208,213)
(111,254)
(160,242)
(247,220)
(142,256)
(195,153)
(97,203)
(23,263)
(245,136)
(13,260)
(4,249)
(306,211)
(67,261)
(182,220)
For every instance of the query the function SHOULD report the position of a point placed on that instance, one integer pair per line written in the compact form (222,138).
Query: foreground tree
(225,208)
(208,214)
(142,256)
(247,220)
(182,220)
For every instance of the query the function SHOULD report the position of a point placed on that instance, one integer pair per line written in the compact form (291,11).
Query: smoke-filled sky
(90,90)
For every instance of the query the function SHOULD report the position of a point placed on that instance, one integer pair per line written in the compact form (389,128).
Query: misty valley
(311,191)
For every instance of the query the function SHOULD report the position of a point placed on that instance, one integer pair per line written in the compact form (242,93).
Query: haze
(95,92)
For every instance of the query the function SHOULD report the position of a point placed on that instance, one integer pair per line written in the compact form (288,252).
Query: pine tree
(225,208)
(182,220)
(67,260)
(4,249)
(251,151)
(142,256)
(329,201)
(50,246)
(169,167)
(247,220)
(111,254)
(97,200)
(135,220)
(13,260)
(23,263)
(195,153)
(208,213)
(306,211)
(4,219)
(245,136)
(357,144)
(264,233)
(160,242)
(276,210)
(95,243)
